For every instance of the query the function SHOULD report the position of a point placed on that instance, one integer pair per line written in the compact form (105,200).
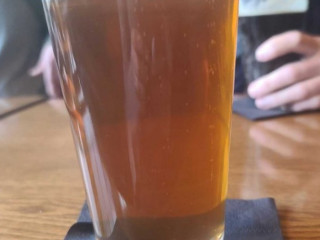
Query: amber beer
(148,85)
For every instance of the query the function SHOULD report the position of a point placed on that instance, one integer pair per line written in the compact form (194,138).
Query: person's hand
(48,68)
(295,85)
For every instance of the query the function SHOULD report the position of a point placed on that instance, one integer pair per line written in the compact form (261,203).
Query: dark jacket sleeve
(37,7)
(312,22)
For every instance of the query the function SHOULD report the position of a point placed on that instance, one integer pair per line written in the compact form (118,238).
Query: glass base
(220,237)
(207,226)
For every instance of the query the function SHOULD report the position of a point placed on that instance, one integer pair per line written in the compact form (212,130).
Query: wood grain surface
(41,190)
(9,105)
(280,158)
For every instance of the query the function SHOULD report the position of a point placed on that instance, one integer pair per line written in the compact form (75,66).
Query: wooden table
(41,190)
(280,158)
(12,105)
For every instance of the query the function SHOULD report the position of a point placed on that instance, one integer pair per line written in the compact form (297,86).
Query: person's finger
(37,69)
(56,81)
(293,94)
(284,76)
(288,42)
(46,55)
(51,81)
(48,83)
(309,104)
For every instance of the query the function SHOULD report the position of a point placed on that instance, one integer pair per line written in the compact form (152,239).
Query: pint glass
(148,85)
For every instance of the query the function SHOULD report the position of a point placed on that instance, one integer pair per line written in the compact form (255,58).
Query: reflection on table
(280,158)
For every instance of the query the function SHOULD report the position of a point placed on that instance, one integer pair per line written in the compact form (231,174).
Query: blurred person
(23,32)
(295,85)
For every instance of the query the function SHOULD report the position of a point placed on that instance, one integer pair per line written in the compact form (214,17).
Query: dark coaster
(246,108)
(245,220)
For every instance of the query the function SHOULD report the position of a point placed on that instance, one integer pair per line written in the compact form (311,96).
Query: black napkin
(245,220)
(246,108)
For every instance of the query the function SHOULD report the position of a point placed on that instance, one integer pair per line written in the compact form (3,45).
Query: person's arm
(48,68)
(295,85)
